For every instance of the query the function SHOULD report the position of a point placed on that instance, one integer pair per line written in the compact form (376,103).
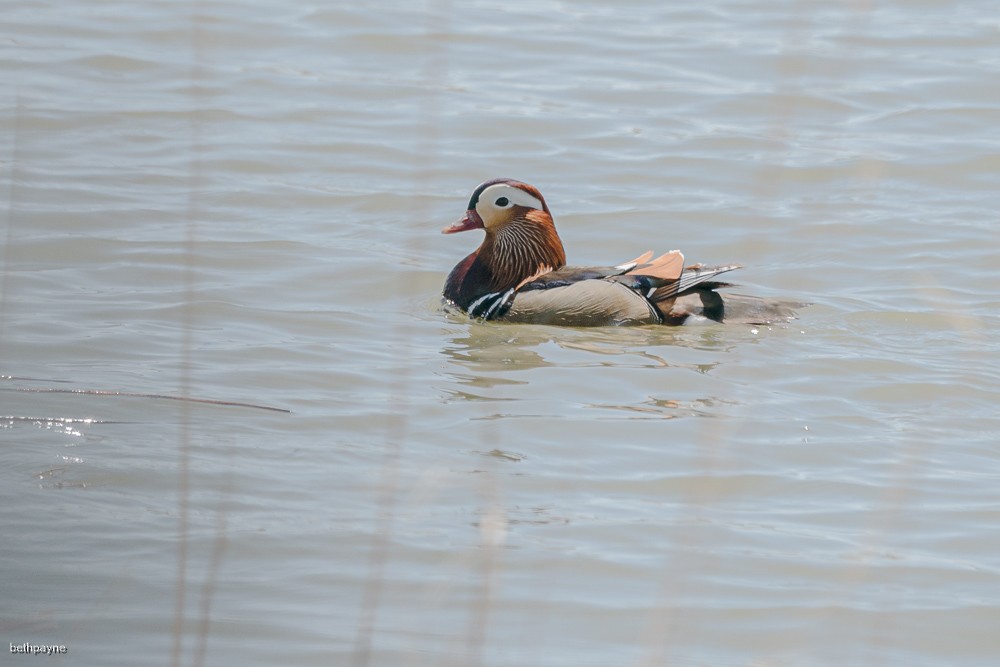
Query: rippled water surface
(239,203)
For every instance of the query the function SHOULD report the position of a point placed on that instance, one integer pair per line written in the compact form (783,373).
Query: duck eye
(502,201)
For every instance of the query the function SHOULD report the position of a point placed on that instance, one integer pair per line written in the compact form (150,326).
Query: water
(240,202)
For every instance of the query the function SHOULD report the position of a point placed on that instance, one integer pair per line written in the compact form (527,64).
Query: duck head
(500,202)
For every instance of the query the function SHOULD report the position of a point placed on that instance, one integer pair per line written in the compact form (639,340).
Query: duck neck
(519,251)
(507,258)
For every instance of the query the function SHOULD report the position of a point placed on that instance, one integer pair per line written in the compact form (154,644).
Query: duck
(519,274)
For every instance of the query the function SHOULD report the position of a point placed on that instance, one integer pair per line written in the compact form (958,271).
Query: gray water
(240,203)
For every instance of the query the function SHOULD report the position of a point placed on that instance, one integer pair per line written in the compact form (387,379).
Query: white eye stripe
(513,195)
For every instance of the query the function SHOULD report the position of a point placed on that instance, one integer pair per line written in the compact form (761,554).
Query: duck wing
(638,292)
(585,303)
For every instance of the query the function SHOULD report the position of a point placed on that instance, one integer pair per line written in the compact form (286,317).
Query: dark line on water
(130,394)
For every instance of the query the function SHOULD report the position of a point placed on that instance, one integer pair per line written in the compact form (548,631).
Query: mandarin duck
(519,274)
